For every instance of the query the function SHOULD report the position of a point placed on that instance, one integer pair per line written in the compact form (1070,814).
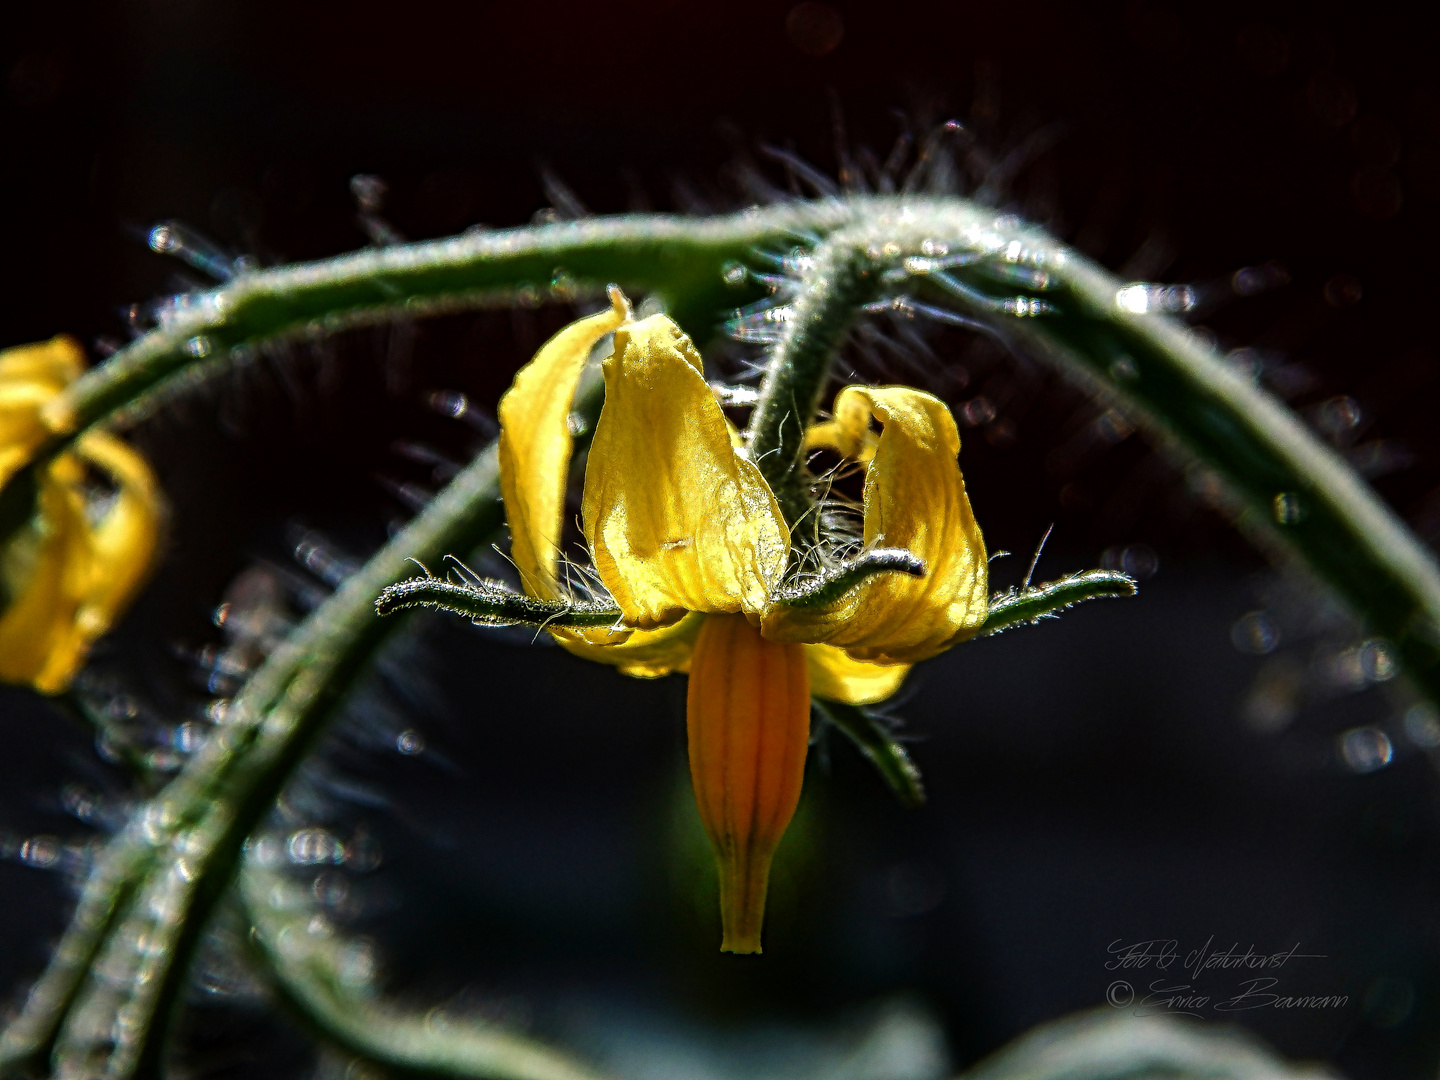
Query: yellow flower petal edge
(836,676)
(31,377)
(535,450)
(914,499)
(81,576)
(645,654)
(38,642)
(126,540)
(536,444)
(677,520)
(847,432)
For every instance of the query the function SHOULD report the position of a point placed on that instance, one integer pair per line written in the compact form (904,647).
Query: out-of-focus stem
(310,972)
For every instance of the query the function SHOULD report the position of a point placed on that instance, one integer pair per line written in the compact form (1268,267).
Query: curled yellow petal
(71,578)
(31,378)
(748,722)
(536,444)
(535,450)
(847,432)
(124,542)
(836,676)
(677,520)
(914,499)
(47,569)
(643,654)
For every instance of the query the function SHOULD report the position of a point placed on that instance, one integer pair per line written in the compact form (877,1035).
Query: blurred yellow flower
(67,572)
(687,537)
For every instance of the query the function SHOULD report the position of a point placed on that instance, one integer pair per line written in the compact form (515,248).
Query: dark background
(1116,775)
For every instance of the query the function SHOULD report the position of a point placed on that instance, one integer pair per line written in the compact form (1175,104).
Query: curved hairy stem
(840,278)
(314,973)
(679,259)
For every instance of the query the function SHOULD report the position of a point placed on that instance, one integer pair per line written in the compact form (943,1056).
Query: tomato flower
(687,537)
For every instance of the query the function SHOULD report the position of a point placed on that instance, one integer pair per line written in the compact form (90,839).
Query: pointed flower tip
(620,303)
(749,946)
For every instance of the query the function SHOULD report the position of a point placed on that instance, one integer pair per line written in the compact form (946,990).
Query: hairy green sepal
(493,603)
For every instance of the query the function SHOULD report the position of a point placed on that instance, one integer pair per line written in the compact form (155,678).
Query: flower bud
(749,728)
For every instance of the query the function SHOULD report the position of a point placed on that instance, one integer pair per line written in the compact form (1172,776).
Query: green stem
(842,277)
(679,259)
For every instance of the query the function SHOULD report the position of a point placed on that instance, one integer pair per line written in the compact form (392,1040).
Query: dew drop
(563,283)
(310,846)
(1256,633)
(1138,560)
(977,411)
(40,851)
(1422,725)
(1124,369)
(1338,415)
(734,274)
(1378,661)
(188,737)
(1288,508)
(451,403)
(162,239)
(1365,749)
(410,742)
(1343,291)
(1142,298)
(357,964)
(198,346)
(1253,280)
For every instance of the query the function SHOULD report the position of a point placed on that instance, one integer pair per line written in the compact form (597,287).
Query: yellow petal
(748,722)
(79,577)
(536,444)
(535,450)
(847,433)
(126,540)
(55,363)
(38,643)
(644,654)
(914,499)
(31,377)
(836,676)
(676,519)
